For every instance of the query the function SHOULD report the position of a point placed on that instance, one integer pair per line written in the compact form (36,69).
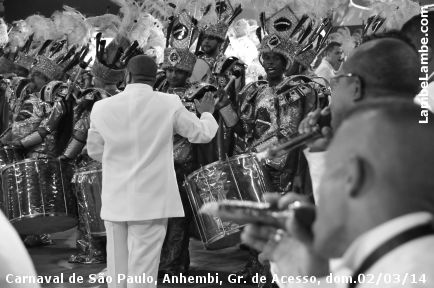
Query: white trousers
(133,252)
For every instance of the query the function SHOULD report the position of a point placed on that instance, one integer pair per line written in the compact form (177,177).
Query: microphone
(300,140)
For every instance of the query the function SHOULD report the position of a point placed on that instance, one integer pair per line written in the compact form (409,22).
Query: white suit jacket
(131,133)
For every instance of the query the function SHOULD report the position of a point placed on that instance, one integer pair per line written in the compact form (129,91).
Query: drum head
(41,224)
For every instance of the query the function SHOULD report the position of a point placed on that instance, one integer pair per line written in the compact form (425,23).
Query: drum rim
(214,239)
(236,157)
(79,172)
(35,215)
(28,160)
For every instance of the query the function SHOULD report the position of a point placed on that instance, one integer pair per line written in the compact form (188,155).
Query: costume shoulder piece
(251,90)
(197,90)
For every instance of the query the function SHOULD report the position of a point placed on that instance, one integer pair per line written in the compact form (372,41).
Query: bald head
(387,64)
(388,135)
(381,161)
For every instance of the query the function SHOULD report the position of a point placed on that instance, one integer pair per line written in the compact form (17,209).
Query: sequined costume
(175,256)
(91,248)
(270,115)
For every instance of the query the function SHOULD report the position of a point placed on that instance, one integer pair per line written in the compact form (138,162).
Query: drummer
(175,258)
(267,116)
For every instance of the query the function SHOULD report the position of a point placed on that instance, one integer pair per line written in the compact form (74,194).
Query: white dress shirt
(316,163)
(325,70)
(408,265)
(15,262)
(131,133)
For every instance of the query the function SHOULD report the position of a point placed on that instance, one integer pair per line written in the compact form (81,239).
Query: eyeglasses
(335,80)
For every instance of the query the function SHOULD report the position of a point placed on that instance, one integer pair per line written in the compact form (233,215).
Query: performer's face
(274,64)
(176,77)
(210,45)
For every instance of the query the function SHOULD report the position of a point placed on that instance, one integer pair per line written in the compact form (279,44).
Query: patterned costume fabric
(270,115)
(91,248)
(46,146)
(33,112)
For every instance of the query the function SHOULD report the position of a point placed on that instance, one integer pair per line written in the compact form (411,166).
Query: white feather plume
(19,34)
(42,28)
(4,39)
(71,24)
(107,24)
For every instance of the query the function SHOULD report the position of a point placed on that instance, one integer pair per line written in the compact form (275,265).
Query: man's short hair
(329,48)
(412,28)
(395,34)
(386,64)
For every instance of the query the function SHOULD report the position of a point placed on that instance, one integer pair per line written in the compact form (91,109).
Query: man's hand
(222,99)
(291,250)
(207,103)
(310,124)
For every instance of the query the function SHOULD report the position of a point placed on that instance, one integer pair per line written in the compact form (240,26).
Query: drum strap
(400,239)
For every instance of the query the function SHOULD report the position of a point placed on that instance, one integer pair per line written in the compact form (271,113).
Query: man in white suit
(375,206)
(131,133)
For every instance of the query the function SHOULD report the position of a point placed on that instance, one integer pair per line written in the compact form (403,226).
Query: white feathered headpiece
(107,24)
(71,24)
(4,39)
(42,28)
(138,25)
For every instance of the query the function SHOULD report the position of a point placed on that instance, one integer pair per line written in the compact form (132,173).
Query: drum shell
(8,155)
(88,186)
(38,196)
(240,177)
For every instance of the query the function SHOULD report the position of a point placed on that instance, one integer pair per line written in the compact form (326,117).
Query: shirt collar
(371,240)
(135,86)
(327,63)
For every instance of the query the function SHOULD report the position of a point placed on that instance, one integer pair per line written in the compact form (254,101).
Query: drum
(38,196)
(87,185)
(238,178)
(8,155)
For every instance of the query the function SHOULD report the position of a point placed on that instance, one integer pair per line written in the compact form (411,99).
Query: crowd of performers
(49,85)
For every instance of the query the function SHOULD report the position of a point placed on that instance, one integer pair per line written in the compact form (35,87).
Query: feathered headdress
(181,34)
(226,14)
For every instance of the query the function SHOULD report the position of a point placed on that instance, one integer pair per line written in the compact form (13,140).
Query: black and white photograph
(216,143)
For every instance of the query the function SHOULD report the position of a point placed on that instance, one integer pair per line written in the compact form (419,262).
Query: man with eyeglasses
(379,68)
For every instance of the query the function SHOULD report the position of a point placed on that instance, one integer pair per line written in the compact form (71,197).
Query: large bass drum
(238,178)
(39,197)
(8,155)
(87,185)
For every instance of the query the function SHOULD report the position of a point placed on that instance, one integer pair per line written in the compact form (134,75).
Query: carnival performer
(213,40)
(92,247)
(137,203)
(178,65)
(271,110)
